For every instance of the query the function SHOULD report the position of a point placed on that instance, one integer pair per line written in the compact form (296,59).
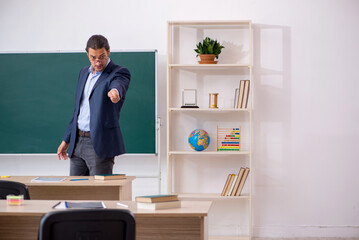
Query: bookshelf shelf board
(209,66)
(217,110)
(209,196)
(229,237)
(223,23)
(208,152)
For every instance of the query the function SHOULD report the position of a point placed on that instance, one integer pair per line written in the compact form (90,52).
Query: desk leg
(125,192)
(171,228)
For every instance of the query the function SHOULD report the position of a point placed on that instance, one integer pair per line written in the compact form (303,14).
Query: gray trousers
(85,162)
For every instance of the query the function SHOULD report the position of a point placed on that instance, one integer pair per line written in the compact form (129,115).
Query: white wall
(305,97)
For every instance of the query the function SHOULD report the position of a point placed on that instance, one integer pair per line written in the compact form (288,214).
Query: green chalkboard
(37,97)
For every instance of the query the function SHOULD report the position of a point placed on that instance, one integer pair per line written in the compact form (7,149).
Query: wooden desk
(78,190)
(187,222)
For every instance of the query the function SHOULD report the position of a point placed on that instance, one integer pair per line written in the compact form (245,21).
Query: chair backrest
(14,188)
(88,224)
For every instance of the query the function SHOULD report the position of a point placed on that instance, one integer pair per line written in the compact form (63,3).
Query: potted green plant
(208,50)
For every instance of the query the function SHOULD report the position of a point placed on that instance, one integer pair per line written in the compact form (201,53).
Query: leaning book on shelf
(157,198)
(159,205)
(110,176)
(235,182)
(240,95)
(245,94)
(243,181)
(236,93)
(232,185)
(232,176)
(226,184)
(238,180)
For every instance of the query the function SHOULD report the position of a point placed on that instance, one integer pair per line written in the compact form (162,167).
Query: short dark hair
(97,42)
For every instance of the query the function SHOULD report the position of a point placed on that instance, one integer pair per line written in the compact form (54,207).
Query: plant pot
(207,59)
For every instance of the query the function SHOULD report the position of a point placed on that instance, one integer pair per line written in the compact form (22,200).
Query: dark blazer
(104,115)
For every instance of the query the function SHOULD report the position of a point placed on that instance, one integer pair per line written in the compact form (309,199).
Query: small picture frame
(189,98)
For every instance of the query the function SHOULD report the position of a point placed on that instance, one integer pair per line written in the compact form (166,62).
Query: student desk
(187,222)
(78,190)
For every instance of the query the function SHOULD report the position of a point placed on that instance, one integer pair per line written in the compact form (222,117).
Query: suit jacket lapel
(103,76)
(82,84)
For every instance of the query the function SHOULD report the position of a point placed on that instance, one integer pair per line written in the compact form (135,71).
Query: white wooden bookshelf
(208,66)
(183,71)
(229,238)
(189,152)
(209,110)
(209,196)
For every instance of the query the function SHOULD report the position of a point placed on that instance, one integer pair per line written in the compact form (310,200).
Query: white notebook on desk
(47,179)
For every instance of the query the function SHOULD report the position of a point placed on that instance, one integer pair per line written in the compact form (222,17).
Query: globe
(199,139)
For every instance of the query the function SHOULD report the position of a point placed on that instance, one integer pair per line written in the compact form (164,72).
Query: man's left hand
(113,95)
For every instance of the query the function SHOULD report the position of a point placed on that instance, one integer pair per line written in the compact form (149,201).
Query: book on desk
(155,202)
(48,179)
(159,205)
(109,176)
(157,198)
(78,205)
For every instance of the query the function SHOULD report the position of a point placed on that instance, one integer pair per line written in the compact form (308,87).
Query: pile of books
(109,176)
(235,183)
(155,202)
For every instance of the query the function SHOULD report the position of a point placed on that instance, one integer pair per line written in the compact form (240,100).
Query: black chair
(88,224)
(14,188)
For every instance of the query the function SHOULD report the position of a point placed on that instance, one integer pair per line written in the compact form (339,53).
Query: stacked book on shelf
(235,183)
(155,202)
(242,94)
(228,139)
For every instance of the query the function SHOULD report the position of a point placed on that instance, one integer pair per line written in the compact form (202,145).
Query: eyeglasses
(99,59)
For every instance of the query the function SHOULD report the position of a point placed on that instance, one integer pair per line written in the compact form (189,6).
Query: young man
(93,137)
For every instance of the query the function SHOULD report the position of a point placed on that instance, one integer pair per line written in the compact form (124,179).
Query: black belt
(83,134)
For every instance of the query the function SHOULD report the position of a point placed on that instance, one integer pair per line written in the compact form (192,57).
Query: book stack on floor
(155,202)
(235,183)
(110,176)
